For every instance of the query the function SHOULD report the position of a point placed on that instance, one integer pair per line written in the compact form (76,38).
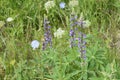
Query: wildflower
(35,44)
(82,45)
(2,23)
(48,5)
(62,5)
(71,33)
(47,34)
(83,23)
(10,19)
(73,3)
(73,18)
(86,23)
(59,33)
(73,23)
(75,34)
(72,40)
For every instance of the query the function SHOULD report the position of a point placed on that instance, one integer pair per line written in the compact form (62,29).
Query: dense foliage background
(18,61)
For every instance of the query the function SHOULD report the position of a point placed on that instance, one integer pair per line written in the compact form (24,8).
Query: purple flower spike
(77,36)
(84,54)
(84,47)
(79,43)
(73,23)
(84,36)
(84,51)
(72,33)
(84,43)
(73,18)
(47,34)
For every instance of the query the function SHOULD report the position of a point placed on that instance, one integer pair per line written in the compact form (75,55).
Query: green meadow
(23,21)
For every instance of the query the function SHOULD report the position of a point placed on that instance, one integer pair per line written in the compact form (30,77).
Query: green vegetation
(18,61)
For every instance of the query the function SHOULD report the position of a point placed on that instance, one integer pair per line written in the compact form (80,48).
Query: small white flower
(10,19)
(62,5)
(73,3)
(35,44)
(86,23)
(59,33)
(48,5)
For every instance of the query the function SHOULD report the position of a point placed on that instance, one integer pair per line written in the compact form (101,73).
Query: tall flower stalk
(47,34)
(76,32)
(82,45)
(72,33)
(81,42)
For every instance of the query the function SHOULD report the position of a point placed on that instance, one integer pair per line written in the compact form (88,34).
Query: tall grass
(19,62)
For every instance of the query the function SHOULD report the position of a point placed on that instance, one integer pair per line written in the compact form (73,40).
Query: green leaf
(96,78)
(72,74)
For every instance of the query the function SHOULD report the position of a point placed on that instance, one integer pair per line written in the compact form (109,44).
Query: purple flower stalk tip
(47,34)
(78,36)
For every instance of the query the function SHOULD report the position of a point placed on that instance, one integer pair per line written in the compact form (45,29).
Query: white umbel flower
(73,3)
(86,23)
(9,19)
(59,33)
(35,44)
(48,5)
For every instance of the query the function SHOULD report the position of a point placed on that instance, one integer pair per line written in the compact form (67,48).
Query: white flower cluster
(59,33)
(85,23)
(73,3)
(9,19)
(48,5)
